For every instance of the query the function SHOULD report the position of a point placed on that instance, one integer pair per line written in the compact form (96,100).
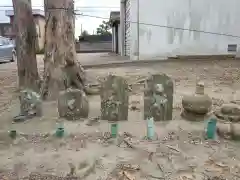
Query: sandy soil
(179,152)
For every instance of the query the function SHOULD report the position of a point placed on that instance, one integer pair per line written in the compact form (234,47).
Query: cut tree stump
(26,35)
(61,68)
(114,99)
(150,96)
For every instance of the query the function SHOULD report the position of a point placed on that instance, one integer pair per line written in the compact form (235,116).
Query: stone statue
(113,107)
(158,108)
(73,104)
(114,99)
(30,105)
(158,91)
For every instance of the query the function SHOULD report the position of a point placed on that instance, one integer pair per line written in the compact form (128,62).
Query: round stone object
(229,112)
(197,103)
(230,109)
(228,130)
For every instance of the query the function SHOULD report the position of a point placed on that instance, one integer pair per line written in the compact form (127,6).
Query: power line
(9,6)
(169,27)
(150,24)
(78,7)
(97,7)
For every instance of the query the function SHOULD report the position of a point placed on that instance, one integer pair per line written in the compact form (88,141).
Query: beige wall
(40,27)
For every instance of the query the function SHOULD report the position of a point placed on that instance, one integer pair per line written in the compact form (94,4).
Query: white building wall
(219,16)
(133,27)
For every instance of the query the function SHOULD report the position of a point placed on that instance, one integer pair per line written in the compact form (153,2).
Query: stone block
(158,97)
(114,98)
(73,104)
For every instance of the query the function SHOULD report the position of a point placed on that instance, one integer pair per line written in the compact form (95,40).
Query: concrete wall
(113,31)
(88,47)
(219,16)
(40,22)
(133,26)
(116,38)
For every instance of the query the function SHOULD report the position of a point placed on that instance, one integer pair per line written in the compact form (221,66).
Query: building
(116,33)
(6,30)
(94,43)
(160,28)
(39,18)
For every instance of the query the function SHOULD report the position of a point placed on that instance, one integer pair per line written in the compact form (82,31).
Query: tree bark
(25,30)
(61,69)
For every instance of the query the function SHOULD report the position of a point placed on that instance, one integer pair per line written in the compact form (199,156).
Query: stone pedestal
(114,99)
(196,106)
(229,112)
(228,125)
(158,97)
(73,104)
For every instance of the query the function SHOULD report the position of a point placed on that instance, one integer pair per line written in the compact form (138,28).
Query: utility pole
(25,31)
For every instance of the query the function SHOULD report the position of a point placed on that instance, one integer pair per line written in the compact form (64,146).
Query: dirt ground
(180,152)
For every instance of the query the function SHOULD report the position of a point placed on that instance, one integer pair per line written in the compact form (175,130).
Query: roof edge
(34,12)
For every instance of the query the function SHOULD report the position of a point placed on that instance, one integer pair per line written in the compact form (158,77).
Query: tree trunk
(61,69)
(25,44)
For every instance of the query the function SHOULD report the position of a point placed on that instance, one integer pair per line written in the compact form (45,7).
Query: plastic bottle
(211,128)
(150,128)
(114,130)
(60,130)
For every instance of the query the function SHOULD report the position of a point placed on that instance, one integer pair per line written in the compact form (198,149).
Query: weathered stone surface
(229,121)
(231,109)
(229,112)
(114,99)
(30,103)
(196,106)
(191,116)
(73,104)
(158,97)
(228,130)
(224,130)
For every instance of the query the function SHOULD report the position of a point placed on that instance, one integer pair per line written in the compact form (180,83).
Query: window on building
(232,48)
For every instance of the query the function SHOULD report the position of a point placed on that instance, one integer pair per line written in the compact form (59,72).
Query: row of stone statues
(114,94)
(158,103)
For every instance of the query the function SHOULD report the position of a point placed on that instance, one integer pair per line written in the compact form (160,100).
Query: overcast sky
(103,8)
